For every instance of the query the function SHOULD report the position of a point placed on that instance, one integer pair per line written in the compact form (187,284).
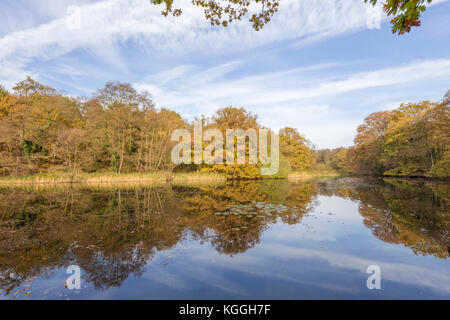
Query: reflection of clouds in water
(303,266)
(300,231)
(210,278)
(398,272)
(257,265)
(194,269)
(345,210)
(174,281)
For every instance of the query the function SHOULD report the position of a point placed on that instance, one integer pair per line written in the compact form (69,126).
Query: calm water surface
(273,239)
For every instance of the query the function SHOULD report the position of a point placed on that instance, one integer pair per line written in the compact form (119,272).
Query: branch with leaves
(405,13)
(222,13)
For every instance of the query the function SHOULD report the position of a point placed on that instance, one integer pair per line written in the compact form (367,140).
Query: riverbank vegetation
(410,141)
(118,134)
(111,178)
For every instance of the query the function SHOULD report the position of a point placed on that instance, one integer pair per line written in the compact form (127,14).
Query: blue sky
(316,67)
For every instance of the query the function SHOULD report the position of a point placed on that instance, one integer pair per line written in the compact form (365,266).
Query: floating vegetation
(256,208)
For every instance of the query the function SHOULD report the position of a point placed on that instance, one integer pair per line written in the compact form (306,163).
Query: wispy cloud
(287,97)
(105,25)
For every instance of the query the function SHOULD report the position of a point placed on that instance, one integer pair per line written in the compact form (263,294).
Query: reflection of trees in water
(112,234)
(111,270)
(414,213)
(109,234)
(234,216)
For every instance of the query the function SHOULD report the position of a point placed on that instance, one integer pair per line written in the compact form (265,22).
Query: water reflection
(413,213)
(116,233)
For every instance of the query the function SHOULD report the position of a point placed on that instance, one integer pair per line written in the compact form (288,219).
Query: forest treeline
(412,140)
(119,129)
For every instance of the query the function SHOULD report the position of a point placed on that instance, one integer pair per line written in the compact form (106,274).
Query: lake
(268,239)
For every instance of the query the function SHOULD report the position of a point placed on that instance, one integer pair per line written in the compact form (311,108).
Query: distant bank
(137,178)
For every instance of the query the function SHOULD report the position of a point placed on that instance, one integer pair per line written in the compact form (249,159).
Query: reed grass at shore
(108,180)
(111,178)
(300,175)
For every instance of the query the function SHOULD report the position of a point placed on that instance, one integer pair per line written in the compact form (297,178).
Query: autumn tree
(295,148)
(411,148)
(412,140)
(117,129)
(32,118)
(122,107)
(440,138)
(446,97)
(29,87)
(232,118)
(369,143)
(128,129)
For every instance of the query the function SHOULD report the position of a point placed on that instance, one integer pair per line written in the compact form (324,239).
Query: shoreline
(424,178)
(313,174)
(139,178)
(110,178)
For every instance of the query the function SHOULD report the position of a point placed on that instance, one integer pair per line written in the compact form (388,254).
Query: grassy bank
(111,178)
(312,174)
(132,180)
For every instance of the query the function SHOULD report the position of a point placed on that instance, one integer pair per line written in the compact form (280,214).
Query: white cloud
(107,24)
(385,77)
(283,98)
(280,87)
